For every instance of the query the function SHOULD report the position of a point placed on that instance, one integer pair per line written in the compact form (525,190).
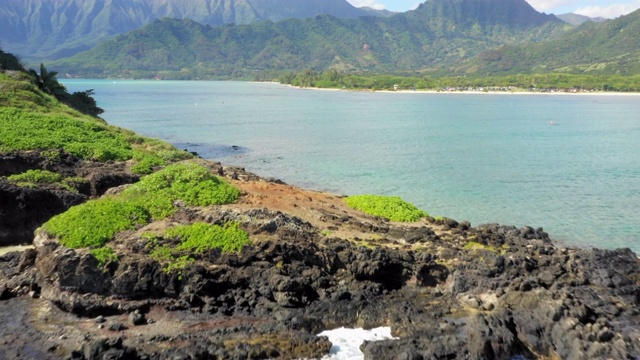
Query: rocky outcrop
(24,209)
(447,289)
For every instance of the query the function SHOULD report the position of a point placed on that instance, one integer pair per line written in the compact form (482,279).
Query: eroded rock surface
(447,289)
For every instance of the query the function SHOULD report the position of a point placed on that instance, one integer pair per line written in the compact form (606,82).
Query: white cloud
(370,3)
(546,5)
(609,11)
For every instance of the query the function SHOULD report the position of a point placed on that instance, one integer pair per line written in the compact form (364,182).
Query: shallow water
(8,249)
(484,158)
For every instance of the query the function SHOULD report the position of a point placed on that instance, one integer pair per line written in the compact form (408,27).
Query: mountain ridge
(51,29)
(435,35)
(610,47)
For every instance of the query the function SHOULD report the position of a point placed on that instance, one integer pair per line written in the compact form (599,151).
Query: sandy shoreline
(473,92)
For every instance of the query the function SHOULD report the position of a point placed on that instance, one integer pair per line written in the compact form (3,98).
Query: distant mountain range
(577,19)
(437,35)
(610,47)
(52,29)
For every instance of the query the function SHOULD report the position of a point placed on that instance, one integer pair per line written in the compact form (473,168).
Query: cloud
(370,3)
(609,11)
(546,5)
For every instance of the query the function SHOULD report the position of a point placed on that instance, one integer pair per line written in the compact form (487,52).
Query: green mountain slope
(577,19)
(434,36)
(610,47)
(51,29)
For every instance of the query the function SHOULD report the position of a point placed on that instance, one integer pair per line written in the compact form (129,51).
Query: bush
(390,207)
(104,255)
(36,177)
(95,222)
(192,183)
(22,130)
(201,237)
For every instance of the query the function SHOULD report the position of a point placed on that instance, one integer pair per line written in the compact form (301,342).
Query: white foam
(346,342)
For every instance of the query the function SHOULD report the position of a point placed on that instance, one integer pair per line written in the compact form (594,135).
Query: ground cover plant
(33,120)
(95,222)
(194,239)
(390,207)
(33,178)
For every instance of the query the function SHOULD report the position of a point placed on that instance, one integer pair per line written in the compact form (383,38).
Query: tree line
(333,78)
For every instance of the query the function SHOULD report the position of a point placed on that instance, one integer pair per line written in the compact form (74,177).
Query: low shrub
(192,183)
(36,177)
(195,238)
(104,255)
(201,237)
(24,130)
(390,207)
(95,222)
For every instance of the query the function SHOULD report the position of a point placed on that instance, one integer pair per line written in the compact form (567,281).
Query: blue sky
(605,8)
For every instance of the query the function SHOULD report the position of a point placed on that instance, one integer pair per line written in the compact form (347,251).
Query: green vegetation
(437,35)
(390,207)
(104,255)
(23,130)
(195,239)
(32,178)
(201,237)
(189,182)
(33,120)
(94,223)
(513,83)
(36,177)
(606,48)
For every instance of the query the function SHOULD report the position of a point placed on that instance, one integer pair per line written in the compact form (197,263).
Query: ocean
(567,163)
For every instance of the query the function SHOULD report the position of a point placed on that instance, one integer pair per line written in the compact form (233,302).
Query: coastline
(472,92)
(311,262)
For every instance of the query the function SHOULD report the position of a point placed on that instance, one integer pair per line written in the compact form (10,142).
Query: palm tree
(47,82)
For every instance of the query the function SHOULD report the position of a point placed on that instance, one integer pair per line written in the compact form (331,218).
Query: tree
(84,102)
(47,82)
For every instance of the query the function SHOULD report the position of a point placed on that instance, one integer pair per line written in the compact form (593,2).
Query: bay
(481,157)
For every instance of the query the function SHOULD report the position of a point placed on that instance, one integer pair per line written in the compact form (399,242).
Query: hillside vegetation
(436,35)
(52,29)
(610,47)
(31,119)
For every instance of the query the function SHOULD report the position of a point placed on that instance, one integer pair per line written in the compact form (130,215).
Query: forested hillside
(435,36)
(51,29)
(610,47)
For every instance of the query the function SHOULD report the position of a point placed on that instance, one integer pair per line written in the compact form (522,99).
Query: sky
(606,8)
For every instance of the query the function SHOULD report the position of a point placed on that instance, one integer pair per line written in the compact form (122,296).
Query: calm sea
(483,158)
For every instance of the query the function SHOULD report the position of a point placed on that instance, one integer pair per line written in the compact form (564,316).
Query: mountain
(610,47)
(51,29)
(436,35)
(577,19)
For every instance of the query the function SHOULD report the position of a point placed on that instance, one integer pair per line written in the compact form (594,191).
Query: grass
(94,223)
(389,207)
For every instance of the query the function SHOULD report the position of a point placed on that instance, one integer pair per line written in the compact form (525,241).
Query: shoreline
(470,92)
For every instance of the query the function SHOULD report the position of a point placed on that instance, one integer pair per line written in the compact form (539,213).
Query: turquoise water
(484,158)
